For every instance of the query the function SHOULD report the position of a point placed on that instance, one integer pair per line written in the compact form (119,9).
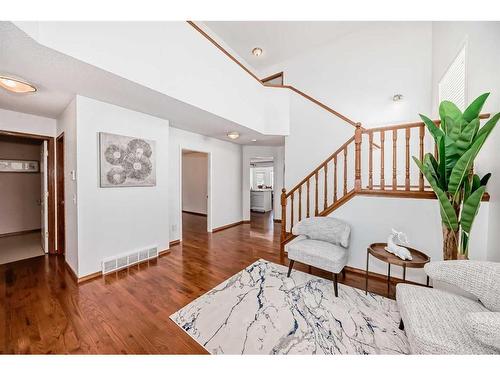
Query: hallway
(18,247)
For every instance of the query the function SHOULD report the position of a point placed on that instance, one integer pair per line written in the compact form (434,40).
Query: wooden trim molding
(218,229)
(194,213)
(174,243)
(306,96)
(11,234)
(274,76)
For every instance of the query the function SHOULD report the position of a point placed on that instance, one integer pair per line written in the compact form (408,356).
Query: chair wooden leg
(290,267)
(335,286)
(401,325)
(343,273)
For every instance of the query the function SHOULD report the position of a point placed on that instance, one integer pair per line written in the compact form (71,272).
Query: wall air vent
(125,260)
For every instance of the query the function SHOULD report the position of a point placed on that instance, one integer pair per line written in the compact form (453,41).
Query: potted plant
(458,189)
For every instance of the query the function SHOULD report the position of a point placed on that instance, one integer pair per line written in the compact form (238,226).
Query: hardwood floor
(43,310)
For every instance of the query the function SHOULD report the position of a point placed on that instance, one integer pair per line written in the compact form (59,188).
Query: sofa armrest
(485,327)
(482,279)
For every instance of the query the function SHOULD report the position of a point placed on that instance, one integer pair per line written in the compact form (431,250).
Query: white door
(44,198)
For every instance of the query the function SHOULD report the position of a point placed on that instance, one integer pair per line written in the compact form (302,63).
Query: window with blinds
(452,85)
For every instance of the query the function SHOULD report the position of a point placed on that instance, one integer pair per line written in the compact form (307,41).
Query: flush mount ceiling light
(257,51)
(254,140)
(16,85)
(233,135)
(397,97)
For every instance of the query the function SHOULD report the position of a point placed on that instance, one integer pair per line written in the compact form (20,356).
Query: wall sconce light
(397,97)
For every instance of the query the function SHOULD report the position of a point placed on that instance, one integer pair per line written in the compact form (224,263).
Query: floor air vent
(124,260)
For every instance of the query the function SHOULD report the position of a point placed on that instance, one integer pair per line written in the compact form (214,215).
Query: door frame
(209,187)
(60,214)
(50,180)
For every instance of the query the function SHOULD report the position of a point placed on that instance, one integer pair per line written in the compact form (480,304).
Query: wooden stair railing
(397,144)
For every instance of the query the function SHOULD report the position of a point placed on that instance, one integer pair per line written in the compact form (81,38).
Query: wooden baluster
(325,199)
(345,170)
(308,214)
(382,160)
(407,177)
(370,162)
(394,159)
(316,195)
(283,214)
(421,156)
(335,179)
(358,138)
(291,211)
(300,202)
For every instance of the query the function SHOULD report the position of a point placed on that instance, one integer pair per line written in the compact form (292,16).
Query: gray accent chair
(322,243)
(440,321)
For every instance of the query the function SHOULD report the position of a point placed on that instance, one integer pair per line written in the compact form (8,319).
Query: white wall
(194,182)
(278,155)
(482,66)
(225,176)
(358,73)
(66,123)
(25,123)
(113,221)
(372,218)
(212,81)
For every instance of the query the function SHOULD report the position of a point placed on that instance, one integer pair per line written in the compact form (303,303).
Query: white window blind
(452,85)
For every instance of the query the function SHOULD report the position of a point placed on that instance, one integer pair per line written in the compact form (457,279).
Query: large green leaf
(451,155)
(463,166)
(488,127)
(447,111)
(467,188)
(431,167)
(474,109)
(433,129)
(453,128)
(466,136)
(448,214)
(476,183)
(470,209)
(485,179)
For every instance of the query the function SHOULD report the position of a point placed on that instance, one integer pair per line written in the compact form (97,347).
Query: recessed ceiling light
(233,135)
(254,140)
(16,85)
(257,51)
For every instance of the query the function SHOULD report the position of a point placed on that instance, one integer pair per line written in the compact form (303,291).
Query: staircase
(375,161)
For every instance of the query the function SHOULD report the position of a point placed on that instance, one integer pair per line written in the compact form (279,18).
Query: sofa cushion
(435,321)
(319,254)
(480,278)
(485,327)
(326,229)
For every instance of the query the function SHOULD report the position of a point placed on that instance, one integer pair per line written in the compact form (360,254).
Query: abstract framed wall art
(126,161)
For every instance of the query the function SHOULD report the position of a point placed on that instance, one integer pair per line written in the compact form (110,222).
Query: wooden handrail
(317,169)
(290,87)
(328,201)
(411,125)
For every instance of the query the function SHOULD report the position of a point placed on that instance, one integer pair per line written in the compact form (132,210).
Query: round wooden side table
(378,251)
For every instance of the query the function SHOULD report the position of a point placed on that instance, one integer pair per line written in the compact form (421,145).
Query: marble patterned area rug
(262,311)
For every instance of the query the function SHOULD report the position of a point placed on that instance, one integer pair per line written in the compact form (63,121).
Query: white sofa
(442,322)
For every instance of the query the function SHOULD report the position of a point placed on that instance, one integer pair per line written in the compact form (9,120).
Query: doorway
(61,223)
(262,192)
(26,202)
(195,192)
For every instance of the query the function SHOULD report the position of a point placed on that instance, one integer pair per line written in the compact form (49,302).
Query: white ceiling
(280,40)
(59,77)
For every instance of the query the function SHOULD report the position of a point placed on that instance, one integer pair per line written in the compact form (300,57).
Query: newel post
(358,135)
(283,214)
